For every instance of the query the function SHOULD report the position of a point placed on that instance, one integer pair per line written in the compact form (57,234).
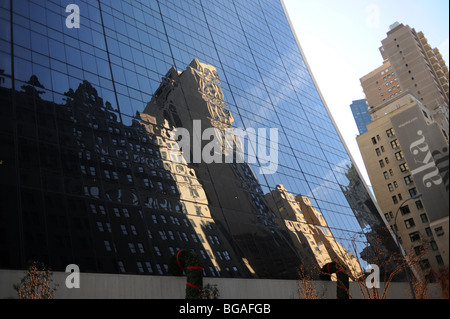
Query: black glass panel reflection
(86,131)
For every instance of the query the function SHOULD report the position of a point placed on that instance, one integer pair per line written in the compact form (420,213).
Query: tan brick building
(419,67)
(410,63)
(394,182)
(381,85)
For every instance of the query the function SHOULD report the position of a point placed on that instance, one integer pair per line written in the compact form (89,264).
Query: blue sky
(341,41)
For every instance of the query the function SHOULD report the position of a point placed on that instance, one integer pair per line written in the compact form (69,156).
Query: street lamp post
(398,241)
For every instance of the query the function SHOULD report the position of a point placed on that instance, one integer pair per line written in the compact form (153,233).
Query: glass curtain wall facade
(87,175)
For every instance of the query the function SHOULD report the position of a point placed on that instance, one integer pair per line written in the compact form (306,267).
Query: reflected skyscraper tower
(87,168)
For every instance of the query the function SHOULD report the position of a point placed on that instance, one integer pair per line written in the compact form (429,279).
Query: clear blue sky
(341,40)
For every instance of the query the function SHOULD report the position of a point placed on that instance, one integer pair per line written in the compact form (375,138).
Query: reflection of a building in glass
(111,197)
(311,230)
(242,210)
(380,241)
(100,194)
(235,198)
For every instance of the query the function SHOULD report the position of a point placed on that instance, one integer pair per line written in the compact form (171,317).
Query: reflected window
(408,179)
(414,236)
(409,223)
(107,245)
(121,266)
(424,218)
(395,144)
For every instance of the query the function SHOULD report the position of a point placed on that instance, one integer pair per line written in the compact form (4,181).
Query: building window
(424,218)
(391,172)
(395,144)
(93,209)
(400,197)
(413,192)
(439,231)
(148,265)
(425,264)
(408,180)
(414,236)
(404,167)
(386,175)
(399,156)
(429,232)
(405,210)
(140,268)
(409,223)
(378,152)
(107,245)
(418,250)
(132,248)
(163,235)
(374,140)
(439,260)
(158,267)
(381,163)
(419,204)
(394,199)
(386,160)
(121,266)
(390,187)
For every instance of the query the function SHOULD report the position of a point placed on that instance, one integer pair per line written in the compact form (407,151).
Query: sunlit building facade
(416,103)
(92,174)
(392,152)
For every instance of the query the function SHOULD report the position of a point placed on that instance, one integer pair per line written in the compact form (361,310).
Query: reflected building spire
(195,96)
